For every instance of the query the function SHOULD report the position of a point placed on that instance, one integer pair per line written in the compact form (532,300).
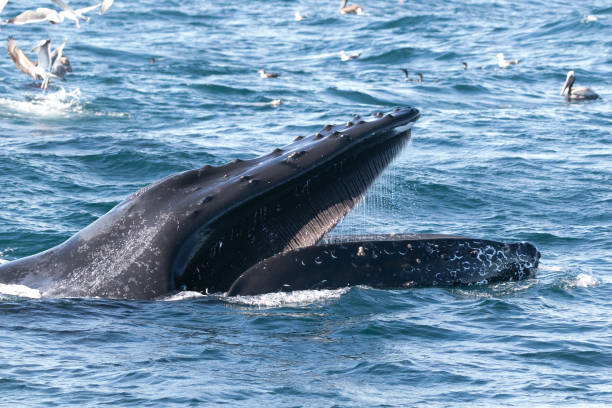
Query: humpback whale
(201,229)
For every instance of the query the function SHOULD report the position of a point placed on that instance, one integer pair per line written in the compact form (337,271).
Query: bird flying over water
(53,16)
(576,94)
(49,65)
(503,63)
(350,9)
(105,5)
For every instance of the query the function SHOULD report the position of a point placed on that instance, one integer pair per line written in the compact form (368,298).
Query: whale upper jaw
(287,199)
(200,229)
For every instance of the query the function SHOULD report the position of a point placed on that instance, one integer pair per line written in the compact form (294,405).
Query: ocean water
(497,154)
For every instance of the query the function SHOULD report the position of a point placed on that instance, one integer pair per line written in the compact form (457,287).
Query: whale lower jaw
(398,261)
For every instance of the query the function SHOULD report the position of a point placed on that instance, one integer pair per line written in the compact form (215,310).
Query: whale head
(248,210)
(200,229)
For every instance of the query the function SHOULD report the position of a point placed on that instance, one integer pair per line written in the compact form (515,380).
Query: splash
(182,296)
(284,299)
(584,280)
(18,291)
(52,105)
(47,105)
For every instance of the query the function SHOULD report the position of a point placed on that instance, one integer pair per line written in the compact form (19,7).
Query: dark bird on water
(408,79)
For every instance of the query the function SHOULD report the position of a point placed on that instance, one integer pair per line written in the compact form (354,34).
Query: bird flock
(571,94)
(53,64)
(49,64)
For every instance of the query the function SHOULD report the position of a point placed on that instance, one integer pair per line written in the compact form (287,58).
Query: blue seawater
(497,154)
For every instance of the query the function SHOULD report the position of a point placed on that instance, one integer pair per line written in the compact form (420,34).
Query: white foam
(281,299)
(19,291)
(584,281)
(182,296)
(46,104)
(51,105)
(3,261)
(589,19)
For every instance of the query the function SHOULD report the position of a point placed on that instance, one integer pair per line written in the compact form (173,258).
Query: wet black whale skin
(390,261)
(200,229)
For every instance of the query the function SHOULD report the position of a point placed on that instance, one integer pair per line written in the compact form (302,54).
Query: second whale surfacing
(201,229)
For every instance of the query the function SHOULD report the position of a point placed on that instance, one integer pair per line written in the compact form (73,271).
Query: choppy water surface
(497,154)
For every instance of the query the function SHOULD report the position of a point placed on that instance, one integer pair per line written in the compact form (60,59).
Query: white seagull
(53,16)
(297,16)
(105,5)
(49,65)
(345,57)
(505,63)
(576,94)
(264,74)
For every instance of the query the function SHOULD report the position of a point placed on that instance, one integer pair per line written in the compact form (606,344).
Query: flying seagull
(576,94)
(105,5)
(53,16)
(49,65)
(77,14)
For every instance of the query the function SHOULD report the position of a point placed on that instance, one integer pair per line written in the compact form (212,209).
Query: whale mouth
(288,199)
